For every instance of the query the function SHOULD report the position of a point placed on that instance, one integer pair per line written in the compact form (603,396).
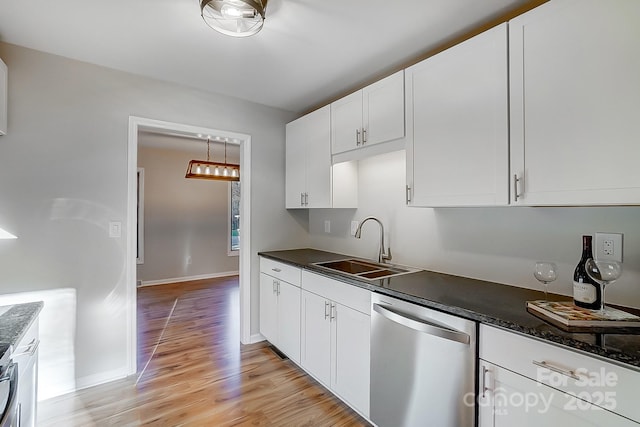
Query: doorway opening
(138,125)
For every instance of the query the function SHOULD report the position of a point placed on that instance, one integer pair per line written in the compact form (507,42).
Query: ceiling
(308,53)
(191,143)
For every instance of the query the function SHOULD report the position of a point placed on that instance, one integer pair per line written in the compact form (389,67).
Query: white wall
(63,177)
(186,221)
(495,244)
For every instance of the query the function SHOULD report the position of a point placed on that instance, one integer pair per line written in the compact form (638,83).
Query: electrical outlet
(115,229)
(608,246)
(327,226)
(354,227)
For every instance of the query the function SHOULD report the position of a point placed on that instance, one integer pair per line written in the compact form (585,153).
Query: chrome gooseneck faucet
(382,256)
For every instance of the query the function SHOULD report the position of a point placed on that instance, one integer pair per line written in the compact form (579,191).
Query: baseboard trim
(188,278)
(100,378)
(254,338)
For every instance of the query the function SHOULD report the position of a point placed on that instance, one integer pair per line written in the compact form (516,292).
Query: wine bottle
(586,292)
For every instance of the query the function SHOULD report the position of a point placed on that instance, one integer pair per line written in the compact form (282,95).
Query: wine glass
(603,272)
(546,272)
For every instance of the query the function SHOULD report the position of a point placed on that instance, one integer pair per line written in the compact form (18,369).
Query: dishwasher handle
(421,325)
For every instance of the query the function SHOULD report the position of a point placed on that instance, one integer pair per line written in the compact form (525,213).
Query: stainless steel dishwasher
(422,366)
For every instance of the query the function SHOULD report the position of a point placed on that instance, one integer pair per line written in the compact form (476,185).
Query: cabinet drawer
(281,271)
(589,378)
(342,293)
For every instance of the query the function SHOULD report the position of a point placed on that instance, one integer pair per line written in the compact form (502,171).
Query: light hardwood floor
(193,371)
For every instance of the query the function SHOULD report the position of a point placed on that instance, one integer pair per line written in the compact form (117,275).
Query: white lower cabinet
(280,315)
(526,382)
(510,399)
(316,336)
(335,338)
(25,355)
(280,307)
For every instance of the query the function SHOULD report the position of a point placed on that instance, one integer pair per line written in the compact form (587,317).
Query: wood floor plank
(193,371)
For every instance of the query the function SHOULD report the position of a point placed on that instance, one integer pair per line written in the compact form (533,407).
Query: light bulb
(207,171)
(216,171)
(198,170)
(234,12)
(234,173)
(229,11)
(225,172)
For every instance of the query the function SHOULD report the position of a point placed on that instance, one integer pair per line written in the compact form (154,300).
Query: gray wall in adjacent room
(186,221)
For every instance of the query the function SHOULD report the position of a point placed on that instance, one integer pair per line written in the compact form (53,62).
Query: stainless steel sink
(368,270)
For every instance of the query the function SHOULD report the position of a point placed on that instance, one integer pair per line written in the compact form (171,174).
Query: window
(234,218)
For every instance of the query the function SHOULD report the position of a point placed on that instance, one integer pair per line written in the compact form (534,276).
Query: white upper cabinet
(311,181)
(457,124)
(575,103)
(369,116)
(4,89)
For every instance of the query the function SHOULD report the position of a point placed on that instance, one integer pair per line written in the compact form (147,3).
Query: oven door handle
(421,325)
(11,375)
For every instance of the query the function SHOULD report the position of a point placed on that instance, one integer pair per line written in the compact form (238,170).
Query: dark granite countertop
(15,322)
(485,302)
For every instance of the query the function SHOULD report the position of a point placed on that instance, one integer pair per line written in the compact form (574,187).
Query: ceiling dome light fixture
(237,18)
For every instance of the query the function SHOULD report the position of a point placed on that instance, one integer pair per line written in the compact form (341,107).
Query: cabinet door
(268,308)
(318,158)
(26,357)
(514,400)
(350,356)
(295,158)
(458,150)
(289,320)
(383,110)
(315,355)
(574,68)
(346,123)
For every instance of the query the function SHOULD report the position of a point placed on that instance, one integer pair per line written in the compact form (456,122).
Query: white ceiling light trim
(237,18)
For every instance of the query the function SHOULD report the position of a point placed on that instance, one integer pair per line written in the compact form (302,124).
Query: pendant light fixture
(202,169)
(237,18)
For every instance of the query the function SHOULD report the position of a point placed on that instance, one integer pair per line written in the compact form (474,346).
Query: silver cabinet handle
(364,136)
(332,312)
(277,270)
(566,372)
(274,286)
(421,325)
(516,193)
(408,194)
(278,287)
(306,199)
(301,199)
(485,371)
(31,349)
(326,312)
(358,137)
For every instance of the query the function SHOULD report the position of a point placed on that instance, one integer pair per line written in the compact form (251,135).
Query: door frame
(140,123)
